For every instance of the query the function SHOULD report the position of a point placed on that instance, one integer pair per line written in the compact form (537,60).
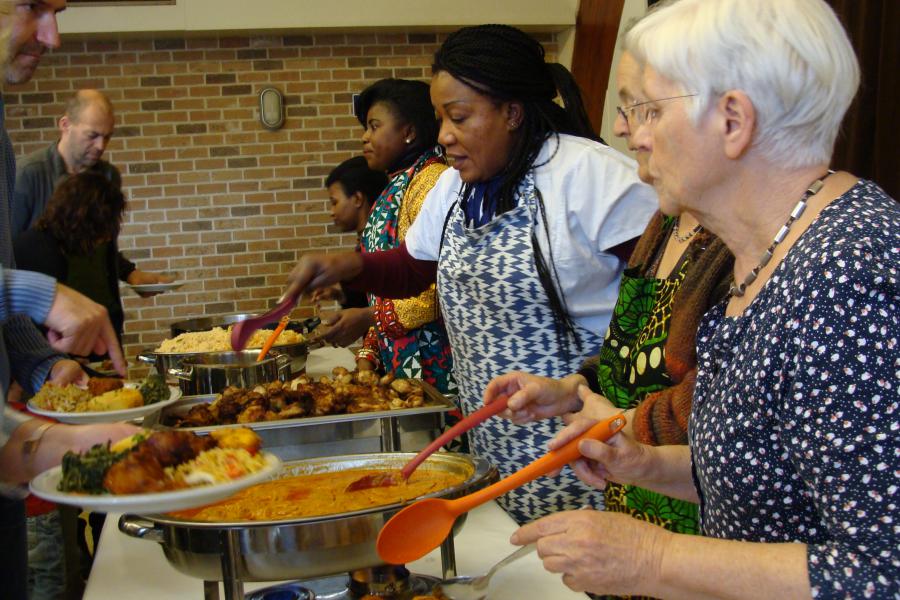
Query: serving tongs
(389,479)
(242,330)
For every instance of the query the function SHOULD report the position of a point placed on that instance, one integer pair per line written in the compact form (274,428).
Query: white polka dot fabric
(794,430)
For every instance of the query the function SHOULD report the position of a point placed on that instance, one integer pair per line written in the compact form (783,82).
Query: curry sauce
(322,494)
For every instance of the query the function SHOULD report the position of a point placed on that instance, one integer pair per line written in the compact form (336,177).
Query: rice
(65,398)
(218,339)
(218,465)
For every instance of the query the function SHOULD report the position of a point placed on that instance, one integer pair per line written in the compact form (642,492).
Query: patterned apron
(499,320)
(632,365)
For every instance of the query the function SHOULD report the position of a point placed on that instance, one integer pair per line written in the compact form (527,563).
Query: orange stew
(321,494)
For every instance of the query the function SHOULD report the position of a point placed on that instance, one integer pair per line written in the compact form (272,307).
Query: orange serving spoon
(271,341)
(388,479)
(242,330)
(422,526)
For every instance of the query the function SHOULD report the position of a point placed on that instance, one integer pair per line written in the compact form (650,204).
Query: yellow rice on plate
(218,465)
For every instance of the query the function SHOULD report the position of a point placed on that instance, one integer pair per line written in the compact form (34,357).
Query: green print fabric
(632,365)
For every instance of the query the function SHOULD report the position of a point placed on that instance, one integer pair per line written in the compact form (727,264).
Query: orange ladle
(422,526)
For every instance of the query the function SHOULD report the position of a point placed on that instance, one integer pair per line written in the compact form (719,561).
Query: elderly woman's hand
(602,552)
(532,397)
(620,459)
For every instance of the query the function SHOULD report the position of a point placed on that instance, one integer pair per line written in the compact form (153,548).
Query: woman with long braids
(526,237)
(647,364)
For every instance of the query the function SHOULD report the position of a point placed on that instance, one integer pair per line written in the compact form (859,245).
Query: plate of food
(106,400)
(156,288)
(158,471)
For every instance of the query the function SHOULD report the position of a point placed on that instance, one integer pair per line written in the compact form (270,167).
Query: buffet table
(136,569)
(126,567)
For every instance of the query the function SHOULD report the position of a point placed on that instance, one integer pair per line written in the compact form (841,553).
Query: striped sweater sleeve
(25,296)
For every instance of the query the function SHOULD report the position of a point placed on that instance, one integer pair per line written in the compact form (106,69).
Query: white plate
(45,486)
(150,288)
(108,416)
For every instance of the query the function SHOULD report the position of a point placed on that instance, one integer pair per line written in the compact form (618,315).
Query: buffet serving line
(335,439)
(128,567)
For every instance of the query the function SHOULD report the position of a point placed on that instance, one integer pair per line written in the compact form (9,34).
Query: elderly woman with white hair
(793,453)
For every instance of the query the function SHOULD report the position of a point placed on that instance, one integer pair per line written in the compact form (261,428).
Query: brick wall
(213,195)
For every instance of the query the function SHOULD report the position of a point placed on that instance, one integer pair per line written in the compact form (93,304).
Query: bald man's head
(85,129)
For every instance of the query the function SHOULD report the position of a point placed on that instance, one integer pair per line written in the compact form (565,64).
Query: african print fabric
(499,320)
(632,365)
(423,352)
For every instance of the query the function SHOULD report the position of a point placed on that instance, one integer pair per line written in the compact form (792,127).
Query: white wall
(262,15)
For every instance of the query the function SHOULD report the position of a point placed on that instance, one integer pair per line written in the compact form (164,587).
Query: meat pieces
(143,470)
(137,473)
(346,392)
(101,385)
(175,447)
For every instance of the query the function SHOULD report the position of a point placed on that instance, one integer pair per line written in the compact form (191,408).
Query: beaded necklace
(738,290)
(682,239)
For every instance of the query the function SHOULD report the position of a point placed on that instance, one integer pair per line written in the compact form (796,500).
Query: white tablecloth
(136,569)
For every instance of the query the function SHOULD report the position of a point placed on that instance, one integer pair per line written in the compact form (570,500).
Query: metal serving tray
(401,429)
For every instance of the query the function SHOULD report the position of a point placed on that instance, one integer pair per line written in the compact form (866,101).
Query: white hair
(791,57)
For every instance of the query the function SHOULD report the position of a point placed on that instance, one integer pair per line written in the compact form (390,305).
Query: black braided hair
(506,64)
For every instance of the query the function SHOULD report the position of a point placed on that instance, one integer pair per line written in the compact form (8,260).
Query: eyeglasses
(646,114)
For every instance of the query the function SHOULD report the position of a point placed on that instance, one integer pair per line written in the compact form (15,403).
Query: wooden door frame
(596,31)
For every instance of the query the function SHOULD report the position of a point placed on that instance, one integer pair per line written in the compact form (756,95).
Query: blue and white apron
(498,319)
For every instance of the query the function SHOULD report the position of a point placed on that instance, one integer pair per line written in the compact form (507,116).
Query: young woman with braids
(520,235)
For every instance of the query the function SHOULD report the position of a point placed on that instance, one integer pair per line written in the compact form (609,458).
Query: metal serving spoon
(466,587)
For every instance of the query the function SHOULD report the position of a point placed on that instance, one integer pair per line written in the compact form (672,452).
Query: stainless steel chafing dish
(299,548)
(309,437)
(166,361)
(212,372)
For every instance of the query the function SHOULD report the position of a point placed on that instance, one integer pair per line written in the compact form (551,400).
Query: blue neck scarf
(481,204)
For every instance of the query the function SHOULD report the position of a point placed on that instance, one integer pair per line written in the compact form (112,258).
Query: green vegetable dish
(83,473)
(154,389)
